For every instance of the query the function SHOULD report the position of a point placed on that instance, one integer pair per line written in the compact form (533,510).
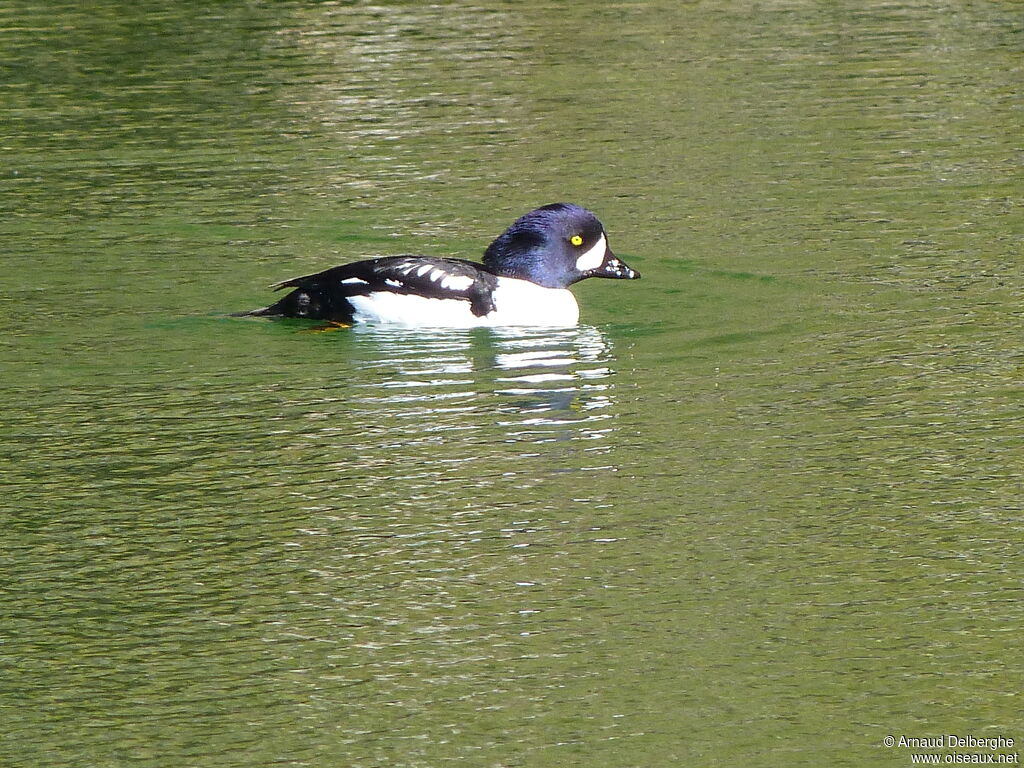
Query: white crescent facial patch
(593,257)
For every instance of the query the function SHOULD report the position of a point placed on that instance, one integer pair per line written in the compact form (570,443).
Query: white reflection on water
(473,405)
(556,372)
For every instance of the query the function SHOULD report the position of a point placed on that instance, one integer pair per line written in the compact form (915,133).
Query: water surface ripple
(764,507)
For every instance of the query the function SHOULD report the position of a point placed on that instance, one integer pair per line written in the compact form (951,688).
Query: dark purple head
(556,246)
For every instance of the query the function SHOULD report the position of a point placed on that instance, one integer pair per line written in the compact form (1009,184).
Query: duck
(523,280)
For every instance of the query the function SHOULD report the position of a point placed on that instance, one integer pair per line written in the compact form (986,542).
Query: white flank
(593,257)
(517,302)
(409,309)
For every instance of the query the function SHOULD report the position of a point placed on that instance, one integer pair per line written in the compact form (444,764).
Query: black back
(324,295)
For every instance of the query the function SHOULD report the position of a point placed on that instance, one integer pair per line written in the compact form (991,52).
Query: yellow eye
(576,240)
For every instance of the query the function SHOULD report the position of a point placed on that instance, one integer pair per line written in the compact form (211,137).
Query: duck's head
(556,246)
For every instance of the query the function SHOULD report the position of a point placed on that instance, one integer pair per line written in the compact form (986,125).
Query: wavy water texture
(763,508)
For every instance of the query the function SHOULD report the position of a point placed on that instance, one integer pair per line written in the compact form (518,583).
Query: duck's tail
(307,301)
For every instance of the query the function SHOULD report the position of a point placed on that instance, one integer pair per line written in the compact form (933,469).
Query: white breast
(517,302)
(520,302)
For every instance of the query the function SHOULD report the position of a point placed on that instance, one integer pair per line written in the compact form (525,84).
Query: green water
(762,508)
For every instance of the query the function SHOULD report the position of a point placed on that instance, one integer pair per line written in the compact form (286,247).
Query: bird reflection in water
(546,375)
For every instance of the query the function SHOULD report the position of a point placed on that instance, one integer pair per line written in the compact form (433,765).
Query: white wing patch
(593,257)
(354,281)
(436,274)
(456,282)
